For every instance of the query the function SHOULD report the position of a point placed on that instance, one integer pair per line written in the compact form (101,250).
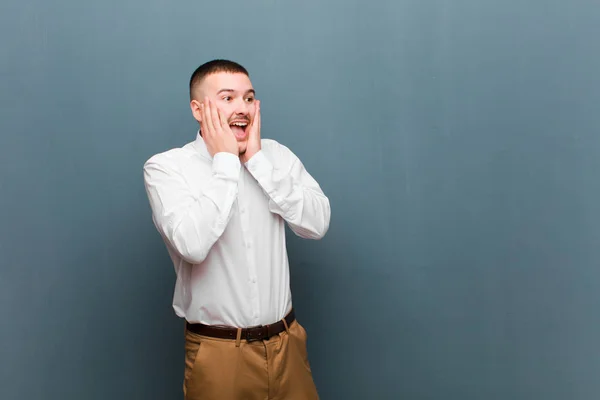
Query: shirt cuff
(227,165)
(259,165)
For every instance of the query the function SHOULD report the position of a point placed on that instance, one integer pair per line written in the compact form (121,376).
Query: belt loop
(287,328)
(238,338)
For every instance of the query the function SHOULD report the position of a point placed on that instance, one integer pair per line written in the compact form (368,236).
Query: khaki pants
(274,369)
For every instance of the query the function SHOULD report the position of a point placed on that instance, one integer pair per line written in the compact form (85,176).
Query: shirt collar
(201,146)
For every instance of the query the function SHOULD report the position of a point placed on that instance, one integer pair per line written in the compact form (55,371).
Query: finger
(208,116)
(216,121)
(257,116)
(203,127)
(223,121)
(204,121)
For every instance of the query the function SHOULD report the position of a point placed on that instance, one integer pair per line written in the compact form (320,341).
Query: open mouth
(239,129)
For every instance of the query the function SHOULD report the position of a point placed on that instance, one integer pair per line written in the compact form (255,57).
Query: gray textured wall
(458,142)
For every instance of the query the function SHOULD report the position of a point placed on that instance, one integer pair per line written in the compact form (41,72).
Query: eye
(227,98)
(250,99)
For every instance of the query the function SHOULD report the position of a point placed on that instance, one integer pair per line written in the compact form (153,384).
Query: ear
(195,107)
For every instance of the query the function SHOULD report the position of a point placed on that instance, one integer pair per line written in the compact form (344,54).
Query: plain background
(458,142)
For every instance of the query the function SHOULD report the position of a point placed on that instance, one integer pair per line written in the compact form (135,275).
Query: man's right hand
(216,131)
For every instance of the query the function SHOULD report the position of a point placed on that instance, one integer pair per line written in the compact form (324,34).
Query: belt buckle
(255,337)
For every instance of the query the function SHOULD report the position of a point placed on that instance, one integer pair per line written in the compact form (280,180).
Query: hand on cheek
(216,131)
(253,145)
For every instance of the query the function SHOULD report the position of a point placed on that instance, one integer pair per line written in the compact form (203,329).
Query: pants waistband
(262,332)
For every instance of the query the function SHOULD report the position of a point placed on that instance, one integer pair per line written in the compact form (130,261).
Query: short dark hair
(212,67)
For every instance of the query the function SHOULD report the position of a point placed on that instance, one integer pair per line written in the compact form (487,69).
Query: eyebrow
(249,91)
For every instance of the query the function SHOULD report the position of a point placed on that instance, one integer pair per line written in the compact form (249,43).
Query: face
(233,95)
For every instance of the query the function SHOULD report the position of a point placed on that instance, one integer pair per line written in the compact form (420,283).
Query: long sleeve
(293,193)
(191,221)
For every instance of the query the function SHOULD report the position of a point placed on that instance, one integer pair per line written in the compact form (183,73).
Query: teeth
(239,124)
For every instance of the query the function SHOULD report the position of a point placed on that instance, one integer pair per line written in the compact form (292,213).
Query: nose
(241,107)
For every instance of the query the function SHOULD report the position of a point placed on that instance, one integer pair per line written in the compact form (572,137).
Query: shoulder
(278,154)
(172,158)
(273,148)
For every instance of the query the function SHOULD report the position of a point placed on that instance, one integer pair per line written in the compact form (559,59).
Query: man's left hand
(253,145)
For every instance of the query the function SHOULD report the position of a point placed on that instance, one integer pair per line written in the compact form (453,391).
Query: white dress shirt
(223,225)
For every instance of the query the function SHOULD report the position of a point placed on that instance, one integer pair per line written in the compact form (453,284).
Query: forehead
(226,80)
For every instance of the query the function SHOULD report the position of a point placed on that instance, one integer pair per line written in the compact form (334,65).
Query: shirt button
(248,245)
(243,210)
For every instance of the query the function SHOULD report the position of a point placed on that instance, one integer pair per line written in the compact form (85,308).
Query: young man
(221,204)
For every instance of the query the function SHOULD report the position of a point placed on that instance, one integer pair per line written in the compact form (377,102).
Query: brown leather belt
(251,334)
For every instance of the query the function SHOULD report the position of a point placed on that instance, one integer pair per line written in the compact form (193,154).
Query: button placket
(244,213)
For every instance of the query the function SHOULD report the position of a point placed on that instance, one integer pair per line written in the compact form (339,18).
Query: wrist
(235,151)
(247,156)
